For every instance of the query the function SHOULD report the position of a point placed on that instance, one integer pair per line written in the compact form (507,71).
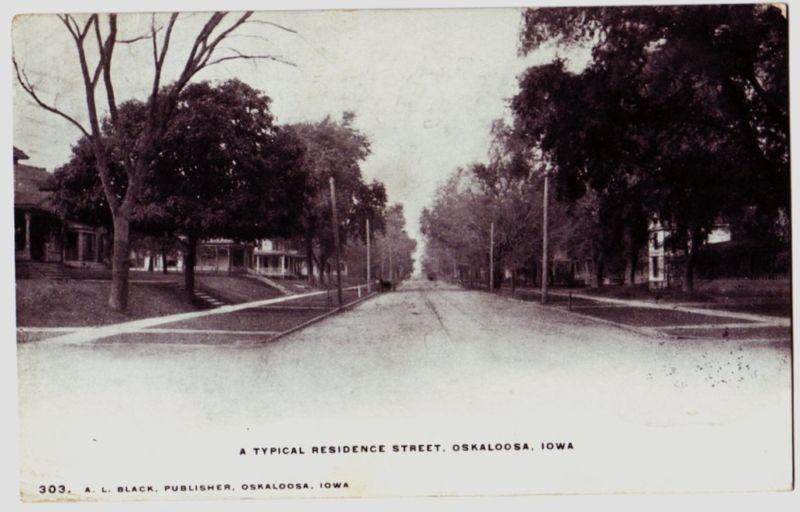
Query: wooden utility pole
(391,267)
(544,240)
(491,257)
(335,221)
(369,263)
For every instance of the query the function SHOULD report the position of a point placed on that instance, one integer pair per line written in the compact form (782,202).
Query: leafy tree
(394,248)
(223,170)
(334,150)
(91,36)
(451,227)
(682,113)
(507,193)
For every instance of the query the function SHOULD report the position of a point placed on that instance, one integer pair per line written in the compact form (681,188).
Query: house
(267,257)
(224,255)
(40,234)
(665,264)
(277,258)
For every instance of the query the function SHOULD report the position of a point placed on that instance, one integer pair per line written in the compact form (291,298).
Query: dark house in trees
(40,234)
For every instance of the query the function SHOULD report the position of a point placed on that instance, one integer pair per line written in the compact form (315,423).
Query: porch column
(28,235)
(97,248)
(81,235)
(283,265)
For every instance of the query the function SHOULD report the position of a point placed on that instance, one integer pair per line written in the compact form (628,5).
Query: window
(654,266)
(71,246)
(654,240)
(88,247)
(237,257)
(19,229)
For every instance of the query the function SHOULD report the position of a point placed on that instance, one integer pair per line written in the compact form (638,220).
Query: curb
(648,331)
(653,332)
(316,319)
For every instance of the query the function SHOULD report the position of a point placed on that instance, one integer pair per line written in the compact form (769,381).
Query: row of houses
(271,258)
(41,235)
(723,255)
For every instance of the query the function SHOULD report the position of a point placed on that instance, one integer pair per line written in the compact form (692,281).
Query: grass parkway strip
(95,333)
(785,322)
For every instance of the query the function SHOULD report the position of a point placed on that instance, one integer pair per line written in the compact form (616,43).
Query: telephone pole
(491,257)
(335,221)
(544,240)
(391,267)
(369,270)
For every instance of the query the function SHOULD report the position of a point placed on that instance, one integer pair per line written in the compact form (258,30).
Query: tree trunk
(321,264)
(630,267)
(310,259)
(498,277)
(150,261)
(164,261)
(189,260)
(120,263)
(687,285)
(597,277)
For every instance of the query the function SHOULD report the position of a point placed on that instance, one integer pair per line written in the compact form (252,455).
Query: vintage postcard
(415,252)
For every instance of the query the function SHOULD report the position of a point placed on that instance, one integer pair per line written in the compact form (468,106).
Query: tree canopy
(335,149)
(681,115)
(223,169)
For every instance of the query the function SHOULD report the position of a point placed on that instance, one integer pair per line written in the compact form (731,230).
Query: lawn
(55,303)
(645,317)
(235,289)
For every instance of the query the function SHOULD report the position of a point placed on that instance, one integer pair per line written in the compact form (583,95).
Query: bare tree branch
(250,36)
(158,61)
(65,19)
(100,50)
(136,39)
(276,25)
(28,87)
(242,56)
(108,51)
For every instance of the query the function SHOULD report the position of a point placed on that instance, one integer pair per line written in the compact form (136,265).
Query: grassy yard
(235,289)
(53,303)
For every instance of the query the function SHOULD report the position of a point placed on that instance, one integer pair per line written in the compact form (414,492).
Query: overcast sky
(425,85)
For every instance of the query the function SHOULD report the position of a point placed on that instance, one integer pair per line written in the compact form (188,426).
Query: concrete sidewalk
(90,334)
(763,319)
(692,320)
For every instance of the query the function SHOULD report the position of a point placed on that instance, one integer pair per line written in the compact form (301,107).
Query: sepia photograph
(416,252)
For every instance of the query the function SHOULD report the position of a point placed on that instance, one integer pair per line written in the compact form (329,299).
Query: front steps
(202,298)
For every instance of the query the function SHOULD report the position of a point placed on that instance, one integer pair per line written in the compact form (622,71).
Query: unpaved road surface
(428,363)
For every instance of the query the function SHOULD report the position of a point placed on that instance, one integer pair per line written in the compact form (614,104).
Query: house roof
(28,184)
(19,154)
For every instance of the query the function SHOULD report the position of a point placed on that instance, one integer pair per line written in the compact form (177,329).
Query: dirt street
(428,363)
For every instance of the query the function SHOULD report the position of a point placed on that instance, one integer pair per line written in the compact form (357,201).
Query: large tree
(95,39)
(682,113)
(335,149)
(394,248)
(223,170)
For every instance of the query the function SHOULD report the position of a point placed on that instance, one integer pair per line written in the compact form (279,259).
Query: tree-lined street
(603,272)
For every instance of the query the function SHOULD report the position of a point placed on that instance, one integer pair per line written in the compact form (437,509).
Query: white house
(662,261)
